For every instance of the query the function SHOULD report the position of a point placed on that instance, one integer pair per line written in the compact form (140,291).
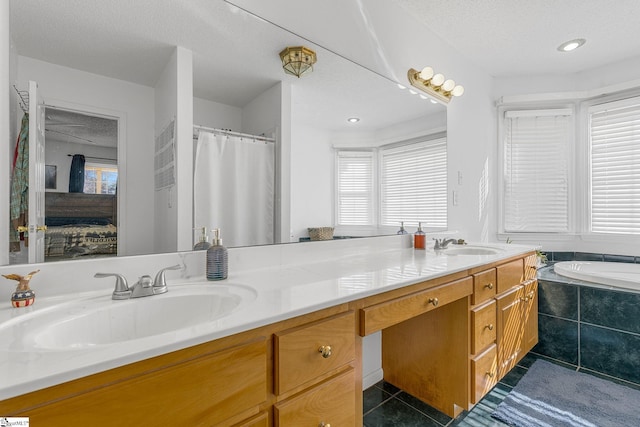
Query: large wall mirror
(100,65)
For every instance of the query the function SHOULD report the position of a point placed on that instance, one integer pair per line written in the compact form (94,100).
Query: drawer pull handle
(323,424)
(325,350)
(434,301)
(489,286)
(489,326)
(490,374)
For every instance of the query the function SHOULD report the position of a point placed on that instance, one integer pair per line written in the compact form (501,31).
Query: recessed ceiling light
(353,119)
(571,45)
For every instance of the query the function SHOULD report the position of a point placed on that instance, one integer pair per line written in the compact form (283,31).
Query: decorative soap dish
(23,296)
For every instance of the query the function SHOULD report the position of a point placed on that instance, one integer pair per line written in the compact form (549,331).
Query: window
(354,188)
(614,131)
(412,185)
(536,170)
(100,178)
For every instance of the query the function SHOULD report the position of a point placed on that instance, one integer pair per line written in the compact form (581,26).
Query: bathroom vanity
(451,326)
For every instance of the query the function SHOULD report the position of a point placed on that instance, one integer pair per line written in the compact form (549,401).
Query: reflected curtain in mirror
(234,182)
(76,174)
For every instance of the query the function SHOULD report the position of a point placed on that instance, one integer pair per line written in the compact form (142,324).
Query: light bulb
(413,92)
(457,91)
(448,85)
(401,87)
(426,73)
(437,80)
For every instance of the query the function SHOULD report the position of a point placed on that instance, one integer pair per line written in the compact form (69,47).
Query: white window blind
(354,188)
(615,167)
(535,168)
(413,184)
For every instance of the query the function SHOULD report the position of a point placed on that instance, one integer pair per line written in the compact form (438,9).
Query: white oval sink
(472,250)
(101,321)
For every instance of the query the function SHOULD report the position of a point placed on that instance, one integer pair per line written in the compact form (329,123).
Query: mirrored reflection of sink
(101,321)
(472,250)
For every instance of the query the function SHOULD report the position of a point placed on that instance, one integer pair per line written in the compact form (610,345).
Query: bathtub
(610,274)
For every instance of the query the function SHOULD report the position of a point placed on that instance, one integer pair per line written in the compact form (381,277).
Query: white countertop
(282,291)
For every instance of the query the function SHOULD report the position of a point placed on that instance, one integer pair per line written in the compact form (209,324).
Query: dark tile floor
(386,405)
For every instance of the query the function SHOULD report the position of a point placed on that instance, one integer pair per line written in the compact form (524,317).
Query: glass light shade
(426,73)
(297,60)
(448,85)
(457,91)
(437,80)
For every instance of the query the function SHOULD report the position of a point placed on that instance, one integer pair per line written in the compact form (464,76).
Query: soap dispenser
(402,230)
(217,259)
(203,242)
(419,238)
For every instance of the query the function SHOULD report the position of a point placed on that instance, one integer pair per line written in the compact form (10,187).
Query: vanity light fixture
(298,60)
(571,45)
(434,85)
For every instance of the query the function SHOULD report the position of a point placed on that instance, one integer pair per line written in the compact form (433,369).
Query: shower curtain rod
(95,158)
(232,133)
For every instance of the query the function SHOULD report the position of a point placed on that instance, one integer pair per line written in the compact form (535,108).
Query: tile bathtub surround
(591,328)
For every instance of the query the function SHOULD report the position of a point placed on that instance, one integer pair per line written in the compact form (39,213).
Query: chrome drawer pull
(434,301)
(325,350)
(489,286)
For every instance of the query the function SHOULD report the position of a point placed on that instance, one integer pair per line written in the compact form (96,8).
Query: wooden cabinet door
(510,329)
(530,315)
(329,403)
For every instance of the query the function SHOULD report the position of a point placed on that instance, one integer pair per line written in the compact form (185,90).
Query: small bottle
(419,238)
(217,259)
(203,243)
(402,230)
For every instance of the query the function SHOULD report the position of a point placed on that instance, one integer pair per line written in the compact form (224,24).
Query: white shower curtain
(234,188)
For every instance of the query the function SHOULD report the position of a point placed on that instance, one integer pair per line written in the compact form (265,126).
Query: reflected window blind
(536,163)
(354,188)
(413,184)
(615,167)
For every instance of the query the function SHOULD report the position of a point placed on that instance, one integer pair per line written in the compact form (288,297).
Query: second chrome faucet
(144,287)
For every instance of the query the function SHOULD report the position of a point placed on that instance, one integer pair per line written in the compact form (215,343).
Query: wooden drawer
(484,373)
(510,275)
(204,391)
(298,355)
(484,286)
(483,326)
(381,316)
(331,402)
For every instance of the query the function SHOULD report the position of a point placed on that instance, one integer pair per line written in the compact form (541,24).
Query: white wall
(216,115)
(312,161)
(66,86)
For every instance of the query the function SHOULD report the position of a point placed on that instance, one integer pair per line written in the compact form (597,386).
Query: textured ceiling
(520,37)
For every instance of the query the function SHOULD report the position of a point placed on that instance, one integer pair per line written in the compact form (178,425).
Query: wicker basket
(321,233)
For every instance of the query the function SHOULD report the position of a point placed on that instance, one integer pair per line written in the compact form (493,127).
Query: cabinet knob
(490,374)
(434,301)
(489,286)
(489,326)
(325,350)
(323,424)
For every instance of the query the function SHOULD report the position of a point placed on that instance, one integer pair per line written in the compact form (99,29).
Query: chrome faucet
(144,287)
(442,243)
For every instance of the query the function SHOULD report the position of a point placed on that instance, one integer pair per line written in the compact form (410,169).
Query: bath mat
(552,396)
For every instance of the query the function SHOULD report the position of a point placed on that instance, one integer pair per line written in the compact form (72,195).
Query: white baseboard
(372,378)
